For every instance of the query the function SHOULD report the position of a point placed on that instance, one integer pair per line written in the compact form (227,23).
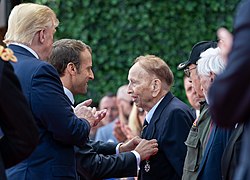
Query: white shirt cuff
(137,155)
(138,159)
(117,149)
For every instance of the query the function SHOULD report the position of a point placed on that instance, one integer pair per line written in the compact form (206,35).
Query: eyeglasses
(187,71)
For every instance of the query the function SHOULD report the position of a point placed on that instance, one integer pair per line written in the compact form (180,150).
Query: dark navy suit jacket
(170,125)
(59,128)
(210,167)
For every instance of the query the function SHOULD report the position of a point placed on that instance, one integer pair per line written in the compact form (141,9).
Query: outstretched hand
(147,148)
(130,145)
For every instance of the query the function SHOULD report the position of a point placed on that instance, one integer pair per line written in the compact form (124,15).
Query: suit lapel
(151,128)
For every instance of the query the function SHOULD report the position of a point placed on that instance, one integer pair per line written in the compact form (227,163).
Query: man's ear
(42,36)
(212,76)
(156,87)
(71,68)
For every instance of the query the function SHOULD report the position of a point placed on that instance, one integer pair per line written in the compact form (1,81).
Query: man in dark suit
(60,129)
(230,92)
(168,118)
(19,133)
(96,160)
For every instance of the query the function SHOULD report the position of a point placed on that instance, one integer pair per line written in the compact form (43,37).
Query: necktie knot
(145,124)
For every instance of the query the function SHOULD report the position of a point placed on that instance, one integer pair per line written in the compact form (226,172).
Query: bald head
(122,93)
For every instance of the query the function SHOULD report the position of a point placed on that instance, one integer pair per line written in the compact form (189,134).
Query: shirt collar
(197,112)
(69,94)
(151,111)
(28,48)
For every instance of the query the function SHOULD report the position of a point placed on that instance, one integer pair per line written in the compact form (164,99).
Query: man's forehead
(137,70)
(86,60)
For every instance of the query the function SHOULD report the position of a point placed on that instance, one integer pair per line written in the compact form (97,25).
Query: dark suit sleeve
(93,165)
(175,134)
(105,148)
(17,123)
(53,110)
(230,93)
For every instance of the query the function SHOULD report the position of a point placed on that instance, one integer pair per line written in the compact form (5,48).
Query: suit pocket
(64,171)
(193,154)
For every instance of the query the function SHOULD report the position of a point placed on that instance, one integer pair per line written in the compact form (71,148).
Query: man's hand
(118,133)
(147,148)
(128,131)
(84,103)
(225,42)
(130,145)
(90,114)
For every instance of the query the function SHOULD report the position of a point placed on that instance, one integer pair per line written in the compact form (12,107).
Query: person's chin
(84,92)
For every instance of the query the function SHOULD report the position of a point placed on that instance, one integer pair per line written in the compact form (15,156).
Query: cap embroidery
(7,54)
(181,65)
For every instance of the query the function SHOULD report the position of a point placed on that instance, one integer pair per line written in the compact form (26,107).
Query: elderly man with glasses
(196,140)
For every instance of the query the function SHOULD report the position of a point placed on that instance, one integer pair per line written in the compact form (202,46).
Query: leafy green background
(120,30)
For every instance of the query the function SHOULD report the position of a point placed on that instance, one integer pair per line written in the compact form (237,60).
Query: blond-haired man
(30,35)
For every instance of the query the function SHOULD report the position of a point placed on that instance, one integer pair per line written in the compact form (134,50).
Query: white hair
(210,61)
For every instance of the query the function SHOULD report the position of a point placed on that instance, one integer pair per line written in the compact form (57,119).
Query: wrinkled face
(195,80)
(139,87)
(191,94)
(84,73)
(48,42)
(109,103)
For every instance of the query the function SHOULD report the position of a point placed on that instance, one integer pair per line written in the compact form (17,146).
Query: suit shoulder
(176,103)
(41,67)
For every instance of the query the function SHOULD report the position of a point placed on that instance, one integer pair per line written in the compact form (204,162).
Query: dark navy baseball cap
(195,53)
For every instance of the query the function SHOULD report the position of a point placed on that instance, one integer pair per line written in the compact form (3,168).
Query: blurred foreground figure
(229,95)
(19,133)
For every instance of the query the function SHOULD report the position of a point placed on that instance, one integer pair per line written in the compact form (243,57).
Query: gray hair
(210,61)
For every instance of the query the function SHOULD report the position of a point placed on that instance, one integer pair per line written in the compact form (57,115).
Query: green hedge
(120,30)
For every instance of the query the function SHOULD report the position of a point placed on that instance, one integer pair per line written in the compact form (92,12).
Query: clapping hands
(91,114)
